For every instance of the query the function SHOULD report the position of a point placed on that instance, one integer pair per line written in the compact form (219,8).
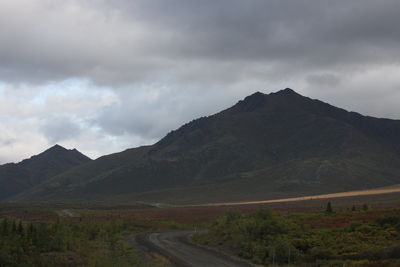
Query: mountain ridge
(20,176)
(283,142)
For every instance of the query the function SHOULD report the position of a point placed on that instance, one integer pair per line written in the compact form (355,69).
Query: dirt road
(67,213)
(377,191)
(174,245)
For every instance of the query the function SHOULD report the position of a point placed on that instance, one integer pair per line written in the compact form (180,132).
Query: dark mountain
(18,177)
(265,146)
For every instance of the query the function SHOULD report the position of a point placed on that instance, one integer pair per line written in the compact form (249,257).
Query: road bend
(175,246)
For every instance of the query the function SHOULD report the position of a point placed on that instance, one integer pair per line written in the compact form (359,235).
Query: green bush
(64,244)
(267,238)
(388,221)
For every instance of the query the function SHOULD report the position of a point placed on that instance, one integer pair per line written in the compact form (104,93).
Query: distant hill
(266,146)
(18,177)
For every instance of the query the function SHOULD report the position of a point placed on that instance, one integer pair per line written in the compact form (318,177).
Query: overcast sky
(102,76)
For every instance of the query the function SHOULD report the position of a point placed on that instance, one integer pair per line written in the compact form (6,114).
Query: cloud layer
(107,75)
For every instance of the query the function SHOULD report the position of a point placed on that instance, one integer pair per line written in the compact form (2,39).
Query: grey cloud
(278,30)
(7,142)
(374,92)
(152,111)
(324,79)
(60,128)
(125,42)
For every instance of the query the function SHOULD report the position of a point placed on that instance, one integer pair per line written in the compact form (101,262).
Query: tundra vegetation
(62,243)
(95,239)
(102,236)
(326,238)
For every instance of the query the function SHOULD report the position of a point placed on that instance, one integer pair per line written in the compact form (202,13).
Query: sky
(103,76)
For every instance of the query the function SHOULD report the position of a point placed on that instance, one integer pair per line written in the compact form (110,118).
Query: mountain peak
(251,102)
(57,147)
(260,95)
(61,152)
(257,94)
(255,97)
(32,171)
(258,100)
(287,91)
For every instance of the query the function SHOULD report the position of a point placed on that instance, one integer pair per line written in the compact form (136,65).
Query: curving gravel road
(175,246)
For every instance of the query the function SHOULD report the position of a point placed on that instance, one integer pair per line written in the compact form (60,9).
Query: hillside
(266,146)
(18,177)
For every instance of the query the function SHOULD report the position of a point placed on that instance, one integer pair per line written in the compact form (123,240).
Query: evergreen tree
(21,229)
(4,227)
(329,207)
(13,226)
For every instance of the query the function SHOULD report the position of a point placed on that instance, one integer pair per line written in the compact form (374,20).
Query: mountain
(266,146)
(18,177)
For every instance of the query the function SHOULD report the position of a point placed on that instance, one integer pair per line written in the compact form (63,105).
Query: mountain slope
(17,177)
(265,145)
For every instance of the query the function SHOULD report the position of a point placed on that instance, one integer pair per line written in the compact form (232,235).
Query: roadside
(150,256)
